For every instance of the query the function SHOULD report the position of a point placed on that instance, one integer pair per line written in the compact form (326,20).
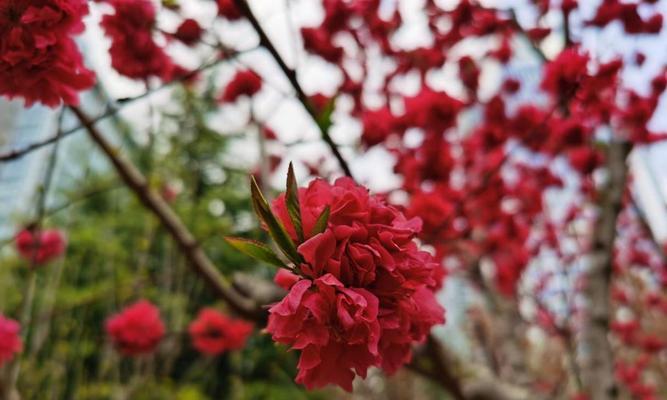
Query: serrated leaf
(258,251)
(321,223)
(276,229)
(292,203)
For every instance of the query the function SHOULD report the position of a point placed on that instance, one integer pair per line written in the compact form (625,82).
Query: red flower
(227,9)
(42,246)
(214,333)
(133,51)
(377,125)
(189,32)
(366,292)
(336,328)
(244,83)
(563,75)
(10,341)
(285,279)
(431,110)
(318,41)
(137,329)
(39,60)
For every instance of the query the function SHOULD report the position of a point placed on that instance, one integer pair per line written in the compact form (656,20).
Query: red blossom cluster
(628,15)
(134,51)
(39,60)
(214,333)
(137,329)
(458,177)
(10,340)
(361,292)
(41,246)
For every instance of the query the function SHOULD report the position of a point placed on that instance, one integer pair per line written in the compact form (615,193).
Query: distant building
(19,178)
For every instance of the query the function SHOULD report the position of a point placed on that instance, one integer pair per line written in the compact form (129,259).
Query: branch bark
(463,380)
(598,371)
(197,259)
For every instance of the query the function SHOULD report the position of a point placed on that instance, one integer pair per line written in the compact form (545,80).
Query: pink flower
(137,329)
(336,328)
(39,60)
(214,333)
(366,291)
(40,247)
(10,341)
(244,83)
(285,279)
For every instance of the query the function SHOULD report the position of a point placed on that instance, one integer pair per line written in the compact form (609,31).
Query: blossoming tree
(519,192)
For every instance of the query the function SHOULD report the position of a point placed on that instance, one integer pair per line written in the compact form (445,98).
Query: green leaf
(276,229)
(292,203)
(322,221)
(256,250)
(324,117)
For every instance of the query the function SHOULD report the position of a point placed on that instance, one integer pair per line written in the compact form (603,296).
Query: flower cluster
(214,333)
(364,291)
(134,52)
(137,329)
(42,246)
(10,341)
(39,60)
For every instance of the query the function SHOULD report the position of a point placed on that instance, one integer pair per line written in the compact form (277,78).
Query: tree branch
(265,42)
(112,109)
(198,260)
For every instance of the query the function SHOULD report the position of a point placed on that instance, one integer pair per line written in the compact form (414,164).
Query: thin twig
(292,78)
(113,109)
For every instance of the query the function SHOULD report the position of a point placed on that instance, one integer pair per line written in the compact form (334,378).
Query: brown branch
(535,46)
(198,260)
(598,370)
(290,74)
(461,379)
(443,368)
(112,109)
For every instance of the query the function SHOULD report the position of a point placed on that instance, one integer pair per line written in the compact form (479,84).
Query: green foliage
(118,253)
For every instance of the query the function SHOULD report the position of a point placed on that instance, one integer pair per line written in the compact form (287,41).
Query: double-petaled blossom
(134,52)
(336,328)
(214,333)
(39,60)
(243,83)
(366,290)
(41,246)
(10,340)
(137,329)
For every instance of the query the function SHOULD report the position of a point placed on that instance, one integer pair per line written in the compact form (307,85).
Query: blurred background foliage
(117,253)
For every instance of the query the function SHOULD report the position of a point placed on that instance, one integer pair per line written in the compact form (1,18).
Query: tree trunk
(598,371)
